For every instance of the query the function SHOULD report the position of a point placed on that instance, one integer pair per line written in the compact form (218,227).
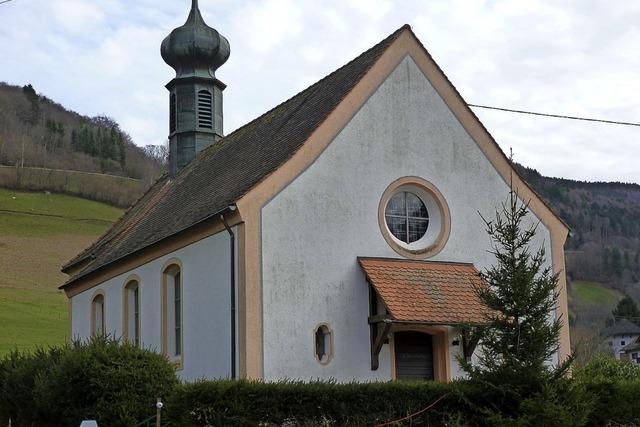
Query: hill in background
(604,217)
(37,132)
(602,252)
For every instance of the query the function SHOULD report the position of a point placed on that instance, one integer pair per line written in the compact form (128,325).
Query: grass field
(38,233)
(30,318)
(595,293)
(115,190)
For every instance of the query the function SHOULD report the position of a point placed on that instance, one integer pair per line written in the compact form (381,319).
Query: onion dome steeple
(195,51)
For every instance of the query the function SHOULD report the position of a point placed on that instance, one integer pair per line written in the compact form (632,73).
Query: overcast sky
(566,57)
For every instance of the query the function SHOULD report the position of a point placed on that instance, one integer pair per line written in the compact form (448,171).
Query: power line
(5,1)
(558,116)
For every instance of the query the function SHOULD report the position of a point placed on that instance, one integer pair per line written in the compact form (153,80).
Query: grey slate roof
(622,327)
(224,172)
(631,347)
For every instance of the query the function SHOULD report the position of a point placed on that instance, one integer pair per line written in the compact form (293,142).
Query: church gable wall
(316,227)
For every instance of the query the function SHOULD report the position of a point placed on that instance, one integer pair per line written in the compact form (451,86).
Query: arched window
(172,312)
(172,113)
(205,110)
(132,312)
(97,315)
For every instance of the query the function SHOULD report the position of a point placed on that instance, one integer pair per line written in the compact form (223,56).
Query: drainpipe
(232,246)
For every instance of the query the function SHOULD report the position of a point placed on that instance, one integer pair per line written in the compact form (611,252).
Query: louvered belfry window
(172,113)
(205,111)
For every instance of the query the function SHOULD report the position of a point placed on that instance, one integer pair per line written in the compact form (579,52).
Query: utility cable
(559,116)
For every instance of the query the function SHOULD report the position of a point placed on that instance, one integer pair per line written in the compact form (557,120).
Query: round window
(414,218)
(407,217)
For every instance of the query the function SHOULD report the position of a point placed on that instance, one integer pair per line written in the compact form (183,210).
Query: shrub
(117,384)
(18,375)
(614,387)
(562,402)
(603,368)
(616,403)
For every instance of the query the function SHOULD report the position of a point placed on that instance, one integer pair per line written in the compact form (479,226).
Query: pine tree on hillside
(519,338)
(31,116)
(616,262)
(627,309)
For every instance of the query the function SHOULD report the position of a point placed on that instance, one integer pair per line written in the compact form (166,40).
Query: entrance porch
(421,310)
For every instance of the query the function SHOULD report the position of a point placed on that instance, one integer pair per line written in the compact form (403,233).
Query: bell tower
(195,51)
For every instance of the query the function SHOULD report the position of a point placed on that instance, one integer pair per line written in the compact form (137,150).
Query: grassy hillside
(111,189)
(38,233)
(595,293)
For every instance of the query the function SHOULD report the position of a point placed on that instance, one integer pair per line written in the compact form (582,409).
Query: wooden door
(414,355)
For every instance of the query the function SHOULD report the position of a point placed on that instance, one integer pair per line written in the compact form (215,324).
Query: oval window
(323,344)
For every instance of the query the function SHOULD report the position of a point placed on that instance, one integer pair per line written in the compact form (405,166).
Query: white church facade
(336,236)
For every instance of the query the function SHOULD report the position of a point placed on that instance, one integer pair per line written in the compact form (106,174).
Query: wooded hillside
(602,252)
(604,217)
(37,132)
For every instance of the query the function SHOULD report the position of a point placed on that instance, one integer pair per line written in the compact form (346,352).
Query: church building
(337,236)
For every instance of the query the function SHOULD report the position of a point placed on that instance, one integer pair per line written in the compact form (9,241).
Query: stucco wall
(206,306)
(314,229)
(615,343)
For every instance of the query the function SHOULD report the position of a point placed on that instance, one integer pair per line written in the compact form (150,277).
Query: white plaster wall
(314,230)
(617,340)
(206,306)
(454,352)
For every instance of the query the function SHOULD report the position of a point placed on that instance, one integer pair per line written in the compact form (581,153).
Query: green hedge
(116,384)
(244,403)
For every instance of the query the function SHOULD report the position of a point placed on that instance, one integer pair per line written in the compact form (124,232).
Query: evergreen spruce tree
(516,374)
(520,337)
(627,309)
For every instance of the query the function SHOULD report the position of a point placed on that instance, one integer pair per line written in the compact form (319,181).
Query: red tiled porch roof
(426,291)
